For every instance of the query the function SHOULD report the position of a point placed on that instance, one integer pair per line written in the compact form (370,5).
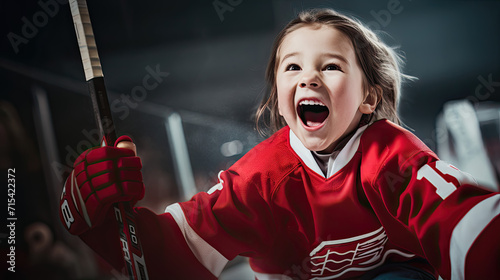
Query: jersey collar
(335,163)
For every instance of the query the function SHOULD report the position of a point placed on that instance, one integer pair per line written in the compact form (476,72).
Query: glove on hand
(101,177)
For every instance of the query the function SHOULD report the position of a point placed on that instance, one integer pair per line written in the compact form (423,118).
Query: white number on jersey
(217,187)
(443,187)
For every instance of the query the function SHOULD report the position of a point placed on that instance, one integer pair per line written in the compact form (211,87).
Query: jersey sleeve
(232,218)
(433,209)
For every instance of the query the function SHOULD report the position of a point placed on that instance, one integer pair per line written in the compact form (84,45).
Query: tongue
(315,118)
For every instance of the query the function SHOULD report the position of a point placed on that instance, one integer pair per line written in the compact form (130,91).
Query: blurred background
(184,79)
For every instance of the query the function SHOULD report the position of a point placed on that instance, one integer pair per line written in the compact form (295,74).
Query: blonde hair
(380,65)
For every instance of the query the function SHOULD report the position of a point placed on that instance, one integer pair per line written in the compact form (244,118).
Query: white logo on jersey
(332,259)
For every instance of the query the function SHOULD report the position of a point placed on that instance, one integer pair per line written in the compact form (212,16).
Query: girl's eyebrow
(337,56)
(332,55)
(288,55)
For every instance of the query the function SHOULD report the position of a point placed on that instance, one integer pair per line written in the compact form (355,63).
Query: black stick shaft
(102,110)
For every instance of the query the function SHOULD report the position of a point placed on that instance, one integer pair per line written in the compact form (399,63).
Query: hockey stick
(131,248)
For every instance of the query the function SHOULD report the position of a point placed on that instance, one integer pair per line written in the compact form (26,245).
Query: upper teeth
(311,102)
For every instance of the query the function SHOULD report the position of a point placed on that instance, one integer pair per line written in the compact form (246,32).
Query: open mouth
(312,112)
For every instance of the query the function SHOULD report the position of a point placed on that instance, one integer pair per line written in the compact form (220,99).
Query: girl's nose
(310,80)
(311,84)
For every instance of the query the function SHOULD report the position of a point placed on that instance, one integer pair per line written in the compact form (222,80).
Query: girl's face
(319,84)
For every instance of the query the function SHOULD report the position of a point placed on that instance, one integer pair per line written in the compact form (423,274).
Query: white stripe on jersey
(347,152)
(304,154)
(204,252)
(467,230)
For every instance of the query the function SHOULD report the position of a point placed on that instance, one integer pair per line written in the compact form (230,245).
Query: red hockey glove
(101,176)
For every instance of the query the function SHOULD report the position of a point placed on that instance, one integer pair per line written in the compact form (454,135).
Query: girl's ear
(371,100)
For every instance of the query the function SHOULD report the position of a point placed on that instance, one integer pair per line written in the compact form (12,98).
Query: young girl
(339,191)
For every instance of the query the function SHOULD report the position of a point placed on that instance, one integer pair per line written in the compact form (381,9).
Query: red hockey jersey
(385,198)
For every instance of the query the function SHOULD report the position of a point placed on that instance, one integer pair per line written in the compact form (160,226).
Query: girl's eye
(292,67)
(332,67)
